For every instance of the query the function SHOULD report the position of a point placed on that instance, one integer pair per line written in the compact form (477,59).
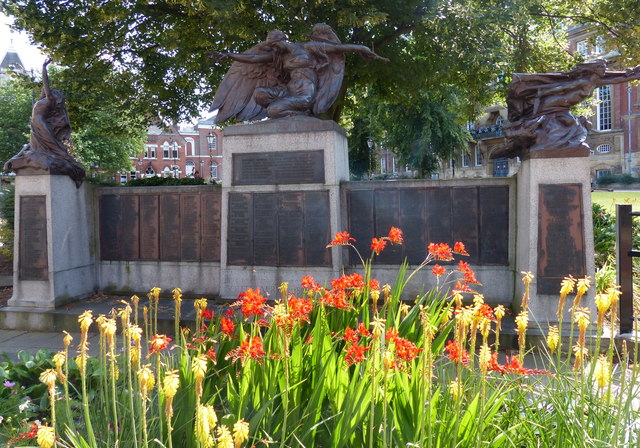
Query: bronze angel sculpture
(540,120)
(278,78)
(47,150)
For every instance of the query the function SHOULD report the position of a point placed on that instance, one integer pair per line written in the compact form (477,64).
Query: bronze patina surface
(33,261)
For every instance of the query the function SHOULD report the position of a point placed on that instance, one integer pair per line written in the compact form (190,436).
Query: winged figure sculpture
(278,78)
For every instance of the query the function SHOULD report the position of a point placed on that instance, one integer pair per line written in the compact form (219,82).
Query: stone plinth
(53,260)
(280,202)
(554,232)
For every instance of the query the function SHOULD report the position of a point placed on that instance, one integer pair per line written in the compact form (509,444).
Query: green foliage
(156,181)
(604,235)
(15,110)
(7,217)
(625,179)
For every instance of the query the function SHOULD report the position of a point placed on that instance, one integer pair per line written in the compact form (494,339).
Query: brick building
(193,151)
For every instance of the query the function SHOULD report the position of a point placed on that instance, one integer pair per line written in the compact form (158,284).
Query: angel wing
(234,96)
(330,70)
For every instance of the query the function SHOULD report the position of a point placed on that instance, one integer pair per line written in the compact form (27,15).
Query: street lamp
(211,139)
(370,144)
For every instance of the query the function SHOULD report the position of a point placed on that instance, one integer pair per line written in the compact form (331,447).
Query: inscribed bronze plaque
(149,227)
(493,206)
(276,168)
(265,229)
(439,219)
(210,228)
(170,240)
(387,215)
(361,223)
(464,220)
(240,233)
(190,227)
(128,228)
(33,262)
(290,229)
(412,223)
(317,228)
(109,226)
(561,246)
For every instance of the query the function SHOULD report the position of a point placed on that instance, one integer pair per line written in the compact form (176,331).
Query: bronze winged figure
(278,78)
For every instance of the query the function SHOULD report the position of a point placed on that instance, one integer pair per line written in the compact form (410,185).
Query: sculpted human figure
(540,120)
(279,78)
(50,137)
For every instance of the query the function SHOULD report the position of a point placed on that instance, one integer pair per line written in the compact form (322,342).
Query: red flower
(211,355)
(461,286)
(300,308)
(363,331)
(374,285)
(252,303)
(336,299)
(395,236)
(207,314)
(227,326)
(458,248)
(468,275)
(378,245)
(513,365)
(32,433)
(249,349)
(391,334)
(350,335)
(457,354)
(440,251)
(158,343)
(355,353)
(438,270)
(406,350)
(486,311)
(341,239)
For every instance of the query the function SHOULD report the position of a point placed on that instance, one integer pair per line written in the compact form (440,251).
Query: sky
(30,55)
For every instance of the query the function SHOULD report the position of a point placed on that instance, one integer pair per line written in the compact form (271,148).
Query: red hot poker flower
(355,353)
(458,248)
(158,343)
(341,239)
(395,236)
(378,245)
(440,251)
(438,270)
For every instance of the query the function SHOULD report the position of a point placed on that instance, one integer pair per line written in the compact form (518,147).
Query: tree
(15,110)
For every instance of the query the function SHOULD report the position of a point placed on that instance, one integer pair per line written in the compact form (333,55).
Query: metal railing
(624,263)
(487,132)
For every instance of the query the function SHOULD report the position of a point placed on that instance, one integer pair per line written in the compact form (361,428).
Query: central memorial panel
(277,168)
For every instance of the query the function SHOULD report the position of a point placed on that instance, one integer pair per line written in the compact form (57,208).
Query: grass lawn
(608,199)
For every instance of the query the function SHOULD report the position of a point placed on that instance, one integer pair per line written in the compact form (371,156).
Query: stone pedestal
(554,232)
(281,203)
(53,261)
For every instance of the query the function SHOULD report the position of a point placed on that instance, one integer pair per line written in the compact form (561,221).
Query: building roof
(12,61)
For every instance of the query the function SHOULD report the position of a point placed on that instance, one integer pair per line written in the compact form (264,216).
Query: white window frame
(465,159)
(190,146)
(214,171)
(149,172)
(150,152)
(600,45)
(582,47)
(175,151)
(604,108)
(477,156)
(604,148)
(189,168)
(165,150)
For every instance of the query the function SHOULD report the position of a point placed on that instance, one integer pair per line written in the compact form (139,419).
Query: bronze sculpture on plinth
(47,150)
(540,123)
(278,78)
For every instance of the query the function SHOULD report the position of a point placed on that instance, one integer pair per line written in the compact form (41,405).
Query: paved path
(13,341)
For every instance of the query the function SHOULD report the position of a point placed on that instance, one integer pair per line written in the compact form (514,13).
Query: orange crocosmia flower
(351,335)
(457,354)
(336,299)
(227,326)
(486,311)
(374,284)
(468,275)
(462,286)
(207,314)
(438,270)
(363,331)
(513,365)
(406,350)
(341,239)
(395,236)
(355,353)
(440,251)
(310,284)
(300,308)
(249,349)
(378,245)
(158,343)
(391,334)
(252,303)
(458,248)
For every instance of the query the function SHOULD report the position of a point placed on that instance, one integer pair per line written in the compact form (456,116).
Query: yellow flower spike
(378,326)
(202,428)
(85,320)
(154,293)
(67,339)
(499,312)
(135,333)
(580,354)
(582,286)
(146,379)
(446,316)
(170,385)
(527,277)
(614,295)
(457,298)
(110,330)
(567,285)
(553,338)
(81,361)
(581,318)
(199,369)
(48,377)
(404,310)
(283,288)
(388,360)
(375,294)
(455,389)
(386,289)
(58,360)
(177,294)
(240,432)
(135,300)
(522,321)
(225,440)
(484,359)
(602,372)
(478,299)
(46,437)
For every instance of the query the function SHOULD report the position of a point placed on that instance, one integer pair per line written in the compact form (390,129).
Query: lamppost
(370,144)
(211,139)
(174,158)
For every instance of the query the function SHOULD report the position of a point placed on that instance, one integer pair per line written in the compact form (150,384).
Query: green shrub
(163,181)
(625,179)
